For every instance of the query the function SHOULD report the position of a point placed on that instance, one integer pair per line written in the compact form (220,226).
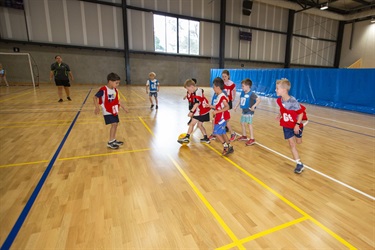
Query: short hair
(152,73)
(57,56)
(247,82)
(218,82)
(188,83)
(113,77)
(284,83)
(194,80)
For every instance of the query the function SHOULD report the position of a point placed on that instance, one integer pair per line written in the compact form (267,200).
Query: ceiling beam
(362,2)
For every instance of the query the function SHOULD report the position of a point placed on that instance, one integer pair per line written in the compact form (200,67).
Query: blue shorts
(109,119)
(219,129)
(247,118)
(289,133)
(153,94)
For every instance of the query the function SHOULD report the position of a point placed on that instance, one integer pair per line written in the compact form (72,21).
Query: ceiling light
(324,6)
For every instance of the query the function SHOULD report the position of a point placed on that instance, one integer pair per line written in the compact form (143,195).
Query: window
(166,35)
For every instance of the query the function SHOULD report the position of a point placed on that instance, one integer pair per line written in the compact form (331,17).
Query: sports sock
(188,135)
(298,161)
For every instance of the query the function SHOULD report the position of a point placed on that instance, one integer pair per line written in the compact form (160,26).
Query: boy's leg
(203,130)
(59,92)
(293,147)
(112,132)
(251,141)
(67,92)
(232,133)
(186,139)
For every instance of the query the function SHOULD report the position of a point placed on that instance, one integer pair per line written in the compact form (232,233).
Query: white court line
(323,118)
(318,172)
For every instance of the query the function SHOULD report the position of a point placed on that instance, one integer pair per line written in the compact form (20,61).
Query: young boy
(3,75)
(249,102)
(222,115)
(108,98)
(190,98)
(152,88)
(291,116)
(200,112)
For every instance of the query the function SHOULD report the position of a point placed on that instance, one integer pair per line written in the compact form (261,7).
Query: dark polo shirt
(60,71)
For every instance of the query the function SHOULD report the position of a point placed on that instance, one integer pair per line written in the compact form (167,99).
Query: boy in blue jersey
(248,103)
(152,88)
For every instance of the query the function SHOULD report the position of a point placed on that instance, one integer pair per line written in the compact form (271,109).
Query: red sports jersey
(289,117)
(219,105)
(113,106)
(229,86)
(198,96)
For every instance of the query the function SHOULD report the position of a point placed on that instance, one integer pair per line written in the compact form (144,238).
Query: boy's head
(189,85)
(225,75)
(218,85)
(152,75)
(113,80)
(282,86)
(246,84)
(58,59)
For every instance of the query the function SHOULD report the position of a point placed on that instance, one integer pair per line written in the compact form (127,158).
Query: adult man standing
(62,73)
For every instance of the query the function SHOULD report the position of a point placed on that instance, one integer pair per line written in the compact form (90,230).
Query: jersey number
(287,117)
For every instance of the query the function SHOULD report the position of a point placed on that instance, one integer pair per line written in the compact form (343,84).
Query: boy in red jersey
(222,115)
(230,90)
(291,116)
(108,98)
(200,112)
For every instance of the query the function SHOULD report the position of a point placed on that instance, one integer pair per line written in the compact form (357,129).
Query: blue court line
(323,124)
(17,226)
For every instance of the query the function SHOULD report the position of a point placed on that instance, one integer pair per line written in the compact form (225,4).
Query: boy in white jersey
(152,89)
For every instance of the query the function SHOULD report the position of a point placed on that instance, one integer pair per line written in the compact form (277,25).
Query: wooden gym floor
(61,188)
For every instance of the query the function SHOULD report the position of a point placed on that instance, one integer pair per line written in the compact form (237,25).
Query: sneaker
(118,143)
(242,138)
(112,145)
(233,137)
(61,100)
(228,150)
(152,105)
(68,98)
(299,168)
(250,142)
(157,107)
(212,137)
(183,140)
(205,140)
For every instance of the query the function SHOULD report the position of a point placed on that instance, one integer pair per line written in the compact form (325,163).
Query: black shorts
(230,104)
(109,119)
(64,83)
(203,118)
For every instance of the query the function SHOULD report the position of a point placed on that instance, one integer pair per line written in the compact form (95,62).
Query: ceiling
(343,10)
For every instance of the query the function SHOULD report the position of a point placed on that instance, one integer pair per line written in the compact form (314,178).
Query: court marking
(122,96)
(333,234)
(77,157)
(208,205)
(17,226)
(144,124)
(266,232)
(13,97)
(135,93)
(320,173)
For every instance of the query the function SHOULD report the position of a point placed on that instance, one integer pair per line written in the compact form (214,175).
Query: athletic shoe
(212,137)
(299,168)
(233,137)
(250,142)
(228,150)
(157,106)
(242,138)
(205,140)
(183,140)
(61,100)
(118,143)
(112,145)
(152,105)
(68,98)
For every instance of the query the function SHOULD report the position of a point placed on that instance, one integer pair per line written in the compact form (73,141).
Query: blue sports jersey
(153,85)
(247,100)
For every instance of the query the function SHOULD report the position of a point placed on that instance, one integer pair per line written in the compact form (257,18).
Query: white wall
(363,45)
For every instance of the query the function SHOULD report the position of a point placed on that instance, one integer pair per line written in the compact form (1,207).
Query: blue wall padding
(349,89)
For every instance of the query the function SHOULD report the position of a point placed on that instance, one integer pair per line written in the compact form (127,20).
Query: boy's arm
(226,107)
(257,101)
(71,76)
(96,104)
(123,106)
(238,104)
(50,75)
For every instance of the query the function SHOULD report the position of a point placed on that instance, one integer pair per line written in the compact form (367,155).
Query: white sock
(298,161)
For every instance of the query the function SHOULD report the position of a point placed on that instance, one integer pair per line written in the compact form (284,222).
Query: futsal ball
(181,136)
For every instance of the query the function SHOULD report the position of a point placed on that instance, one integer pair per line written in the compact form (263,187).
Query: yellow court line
(135,93)
(337,237)
(122,96)
(13,97)
(76,157)
(261,234)
(209,206)
(144,124)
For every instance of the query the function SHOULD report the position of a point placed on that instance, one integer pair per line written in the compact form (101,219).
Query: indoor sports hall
(63,187)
